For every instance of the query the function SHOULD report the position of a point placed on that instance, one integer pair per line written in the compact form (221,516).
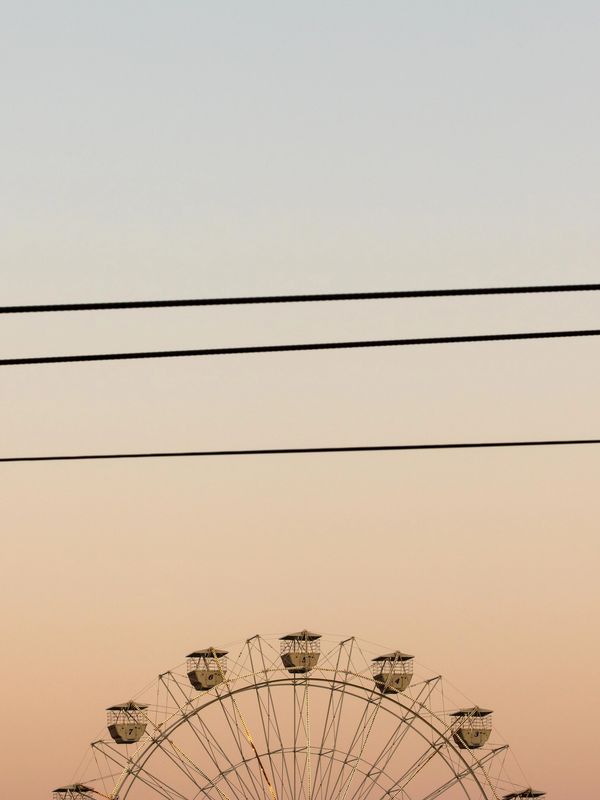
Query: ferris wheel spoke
(363,770)
(331,697)
(465,773)
(107,776)
(435,747)
(329,754)
(308,753)
(234,728)
(268,714)
(336,718)
(112,756)
(140,773)
(366,735)
(302,741)
(186,766)
(157,785)
(182,760)
(104,777)
(207,740)
(338,686)
(297,723)
(249,759)
(166,681)
(213,742)
(301,737)
(241,720)
(441,747)
(173,679)
(272,714)
(241,724)
(207,743)
(405,724)
(361,733)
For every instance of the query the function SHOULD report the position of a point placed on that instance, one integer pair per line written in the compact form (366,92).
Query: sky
(192,149)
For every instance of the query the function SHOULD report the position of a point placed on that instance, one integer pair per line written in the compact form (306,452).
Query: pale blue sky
(185,147)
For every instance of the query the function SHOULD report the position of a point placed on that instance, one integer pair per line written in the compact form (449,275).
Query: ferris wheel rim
(417,710)
(218,694)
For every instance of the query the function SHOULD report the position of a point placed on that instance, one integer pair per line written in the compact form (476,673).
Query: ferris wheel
(297,717)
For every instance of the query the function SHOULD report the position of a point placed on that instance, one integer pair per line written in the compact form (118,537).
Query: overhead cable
(299,298)
(288,348)
(277,451)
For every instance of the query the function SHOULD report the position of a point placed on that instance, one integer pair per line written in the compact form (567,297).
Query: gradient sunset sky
(189,149)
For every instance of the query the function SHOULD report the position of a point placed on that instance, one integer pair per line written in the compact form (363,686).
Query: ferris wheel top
(208,652)
(304,635)
(397,655)
(474,712)
(239,728)
(130,705)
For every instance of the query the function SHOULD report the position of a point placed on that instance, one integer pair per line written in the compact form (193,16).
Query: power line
(288,348)
(299,298)
(302,450)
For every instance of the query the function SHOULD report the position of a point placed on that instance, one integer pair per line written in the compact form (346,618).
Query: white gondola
(392,672)
(127,722)
(206,668)
(75,791)
(300,651)
(473,727)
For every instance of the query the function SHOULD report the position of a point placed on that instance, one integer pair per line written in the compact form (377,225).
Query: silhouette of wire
(299,298)
(276,451)
(288,348)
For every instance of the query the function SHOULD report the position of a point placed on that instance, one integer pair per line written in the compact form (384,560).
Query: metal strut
(246,730)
